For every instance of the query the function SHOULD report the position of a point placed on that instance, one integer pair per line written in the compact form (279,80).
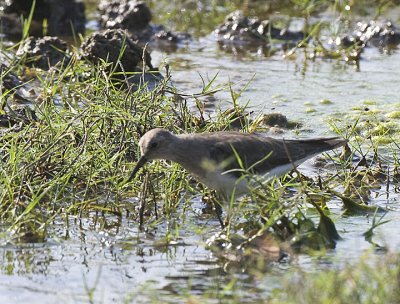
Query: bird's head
(155,144)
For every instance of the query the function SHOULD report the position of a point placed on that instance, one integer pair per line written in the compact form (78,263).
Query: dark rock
(378,34)
(241,29)
(166,36)
(130,15)
(23,115)
(63,17)
(279,120)
(135,16)
(164,40)
(44,52)
(383,35)
(12,83)
(237,117)
(107,46)
(9,79)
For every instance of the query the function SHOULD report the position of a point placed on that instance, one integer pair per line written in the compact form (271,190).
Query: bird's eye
(153,145)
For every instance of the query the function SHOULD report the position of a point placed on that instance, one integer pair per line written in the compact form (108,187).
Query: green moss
(393,114)
(370,102)
(355,283)
(326,102)
(357,108)
(382,140)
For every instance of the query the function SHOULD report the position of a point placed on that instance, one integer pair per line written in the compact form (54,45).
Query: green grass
(361,282)
(75,158)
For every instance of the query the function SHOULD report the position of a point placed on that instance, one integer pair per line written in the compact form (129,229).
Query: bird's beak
(142,160)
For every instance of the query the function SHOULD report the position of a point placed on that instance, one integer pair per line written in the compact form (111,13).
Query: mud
(240,29)
(106,46)
(44,53)
(373,33)
(135,17)
(11,85)
(20,116)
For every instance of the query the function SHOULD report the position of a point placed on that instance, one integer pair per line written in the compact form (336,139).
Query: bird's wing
(263,154)
(241,152)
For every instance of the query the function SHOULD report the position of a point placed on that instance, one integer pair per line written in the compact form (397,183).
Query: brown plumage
(214,158)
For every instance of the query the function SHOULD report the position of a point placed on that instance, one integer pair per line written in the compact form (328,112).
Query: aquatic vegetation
(359,282)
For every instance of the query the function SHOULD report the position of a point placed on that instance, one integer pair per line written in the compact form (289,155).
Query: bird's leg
(215,204)
(143,195)
(218,211)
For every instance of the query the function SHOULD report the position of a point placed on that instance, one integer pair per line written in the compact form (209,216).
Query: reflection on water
(112,265)
(108,260)
(112,260)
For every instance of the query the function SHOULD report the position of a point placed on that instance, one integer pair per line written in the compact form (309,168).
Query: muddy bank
(381,34)
(44,53)
(107,46)
(240,34)
(133,65)
(135,17)
(241,29)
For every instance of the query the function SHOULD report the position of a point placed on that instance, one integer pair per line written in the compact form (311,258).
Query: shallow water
(120,263)
(288,86)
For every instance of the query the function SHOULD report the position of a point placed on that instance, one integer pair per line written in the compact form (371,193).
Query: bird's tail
(311,147)
(335,142)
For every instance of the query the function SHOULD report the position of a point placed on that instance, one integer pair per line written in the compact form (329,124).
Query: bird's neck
(181,152)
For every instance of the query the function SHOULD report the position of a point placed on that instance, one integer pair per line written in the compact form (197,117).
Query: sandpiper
(219,159)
